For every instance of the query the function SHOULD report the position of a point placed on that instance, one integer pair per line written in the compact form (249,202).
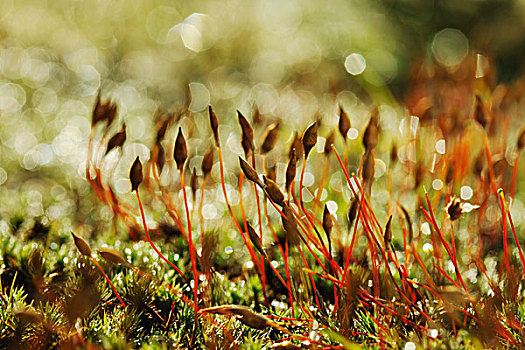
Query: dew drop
(355,64)
(466,192)
(427,247)
(437,184)
(410,346)
(425,229)
(441,147)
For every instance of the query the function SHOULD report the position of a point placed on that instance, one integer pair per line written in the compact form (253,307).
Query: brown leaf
(344,123)
(194,182)
(328,143)
(369,167)
(309,138)
(207,162)
(521,140)
(135,174)
(481,113)
(250,173)
(82,245)
(327,221)
(98,114)
(387,234)
(297,145)
(270,137)
(409,224)
(271,172)
(393,154)
(256,239)
(244,314)
(162,129)
(103,111)
(180,152)
(291,170)
(420,173)
(352,212)
(29,316)
(500,165)
(371,134)
(454,208)
(273,191)
(328,224)
(161,157)
(214,125)
(285,345)
(290,226)
(112,256)
(117,140)
(247,135)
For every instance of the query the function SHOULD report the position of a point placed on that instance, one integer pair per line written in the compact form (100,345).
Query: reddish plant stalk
(506,208)
(284,253)
(201,217)
(505,248)
(490,166)
(246,243)
(192,248)
(432,219)
(322,183)
(311,278)
(151,242)
(166,199)
(308,217)
(260,263)
(288,277)
(109,281)
(259,216)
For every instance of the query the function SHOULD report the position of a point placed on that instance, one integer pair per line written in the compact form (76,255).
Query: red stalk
(109,281)
(263,274)
(506,208)
(432,219)
(246,243)
(308,217)
(260,263)
(151,242)
(192,248)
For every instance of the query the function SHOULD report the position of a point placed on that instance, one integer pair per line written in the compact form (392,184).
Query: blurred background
(290,59)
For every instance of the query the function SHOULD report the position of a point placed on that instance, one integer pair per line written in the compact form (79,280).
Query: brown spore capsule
(180,152)
(135,174)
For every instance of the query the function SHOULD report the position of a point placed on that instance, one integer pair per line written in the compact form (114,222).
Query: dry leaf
(82,245)
(135,174)
(180,152)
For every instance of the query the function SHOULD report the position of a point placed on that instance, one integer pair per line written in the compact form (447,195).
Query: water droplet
(482,65)
(228,250)
(308,179)
(352,133)
(410,346)
(466,192)
(427,247)
(437,184)
(441,147)
(425,228)
(3,176)
(450,47)
(355,64)
(332,206)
